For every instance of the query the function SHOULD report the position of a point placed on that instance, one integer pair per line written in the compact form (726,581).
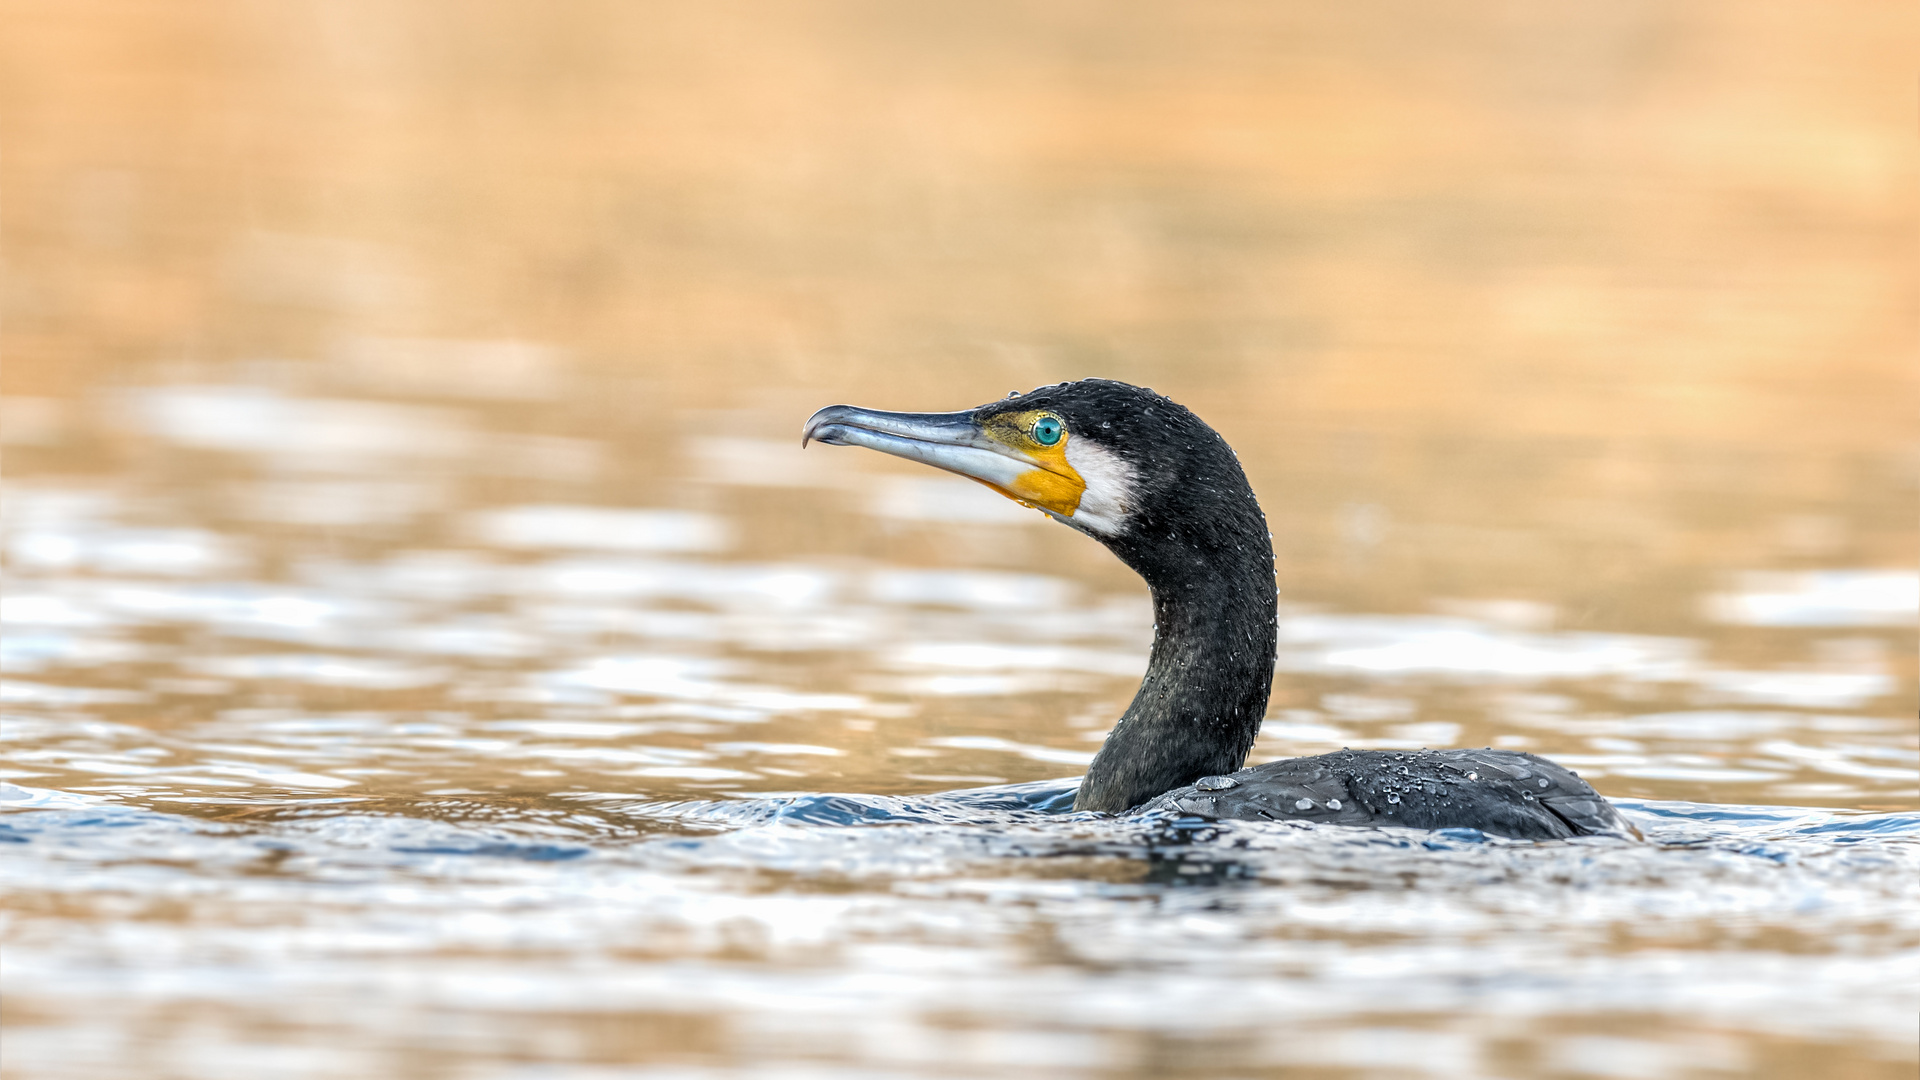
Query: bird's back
(1502,792)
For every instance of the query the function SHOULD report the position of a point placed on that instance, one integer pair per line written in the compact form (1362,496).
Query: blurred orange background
(1636,277)
(1673,221)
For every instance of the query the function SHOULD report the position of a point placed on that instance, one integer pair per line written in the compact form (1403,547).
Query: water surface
(429,653)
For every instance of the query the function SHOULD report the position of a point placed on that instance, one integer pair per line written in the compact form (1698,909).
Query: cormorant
(1164,492)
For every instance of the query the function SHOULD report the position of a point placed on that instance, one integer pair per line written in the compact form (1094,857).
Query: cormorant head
(1162,491)
(1122,464)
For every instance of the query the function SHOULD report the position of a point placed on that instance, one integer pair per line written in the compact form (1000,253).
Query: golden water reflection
(407,542)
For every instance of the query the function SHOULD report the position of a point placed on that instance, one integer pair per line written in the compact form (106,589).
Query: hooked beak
(952,441)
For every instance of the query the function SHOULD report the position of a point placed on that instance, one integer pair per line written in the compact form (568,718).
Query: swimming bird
(1164,492)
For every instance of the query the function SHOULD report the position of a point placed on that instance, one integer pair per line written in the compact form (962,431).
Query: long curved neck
(1205,692)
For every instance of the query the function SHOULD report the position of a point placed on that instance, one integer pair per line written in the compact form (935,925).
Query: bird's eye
(1047,431)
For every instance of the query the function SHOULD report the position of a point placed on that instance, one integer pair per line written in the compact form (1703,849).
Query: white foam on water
(598,528)
(1820,598)
(970,588)
(361,673)
(321,434)
(158,552)
(1077,758)
(1432,645)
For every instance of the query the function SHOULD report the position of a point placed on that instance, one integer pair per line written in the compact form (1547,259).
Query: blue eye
(1047,431)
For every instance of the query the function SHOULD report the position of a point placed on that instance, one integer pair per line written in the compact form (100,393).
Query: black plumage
(1501,792)
(1194,531)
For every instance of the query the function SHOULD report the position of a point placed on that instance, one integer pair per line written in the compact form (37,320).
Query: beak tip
(811,429)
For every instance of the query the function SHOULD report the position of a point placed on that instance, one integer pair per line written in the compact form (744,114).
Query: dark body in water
(1163,491)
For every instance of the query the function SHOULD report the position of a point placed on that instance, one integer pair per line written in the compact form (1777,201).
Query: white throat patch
(1107,500)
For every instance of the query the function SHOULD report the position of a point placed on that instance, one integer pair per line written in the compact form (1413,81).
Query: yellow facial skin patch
(1054,485)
